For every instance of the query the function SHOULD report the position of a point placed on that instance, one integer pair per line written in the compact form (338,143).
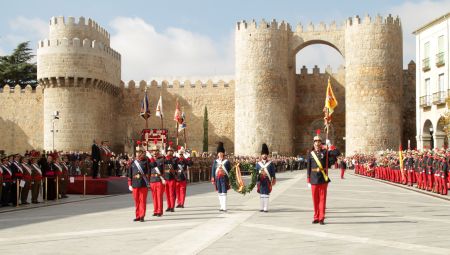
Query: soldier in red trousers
(138,183)
(318,161)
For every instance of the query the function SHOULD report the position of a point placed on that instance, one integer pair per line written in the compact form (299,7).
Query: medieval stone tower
(81,77)
(265,82)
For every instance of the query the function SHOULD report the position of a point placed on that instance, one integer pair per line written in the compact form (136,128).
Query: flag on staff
(182,125)
(145,111)
(159,108)
(177,115)
(330,99)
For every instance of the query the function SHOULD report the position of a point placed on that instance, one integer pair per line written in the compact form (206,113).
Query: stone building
(267,101)
(432,75)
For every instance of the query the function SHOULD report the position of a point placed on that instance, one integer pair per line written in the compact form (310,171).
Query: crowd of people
(425,170)
(35,176)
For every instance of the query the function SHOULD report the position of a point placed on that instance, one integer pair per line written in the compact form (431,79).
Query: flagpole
(185,140)
(177,133)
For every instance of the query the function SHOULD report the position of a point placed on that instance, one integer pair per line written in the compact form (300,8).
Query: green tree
(17,68)
(205,130)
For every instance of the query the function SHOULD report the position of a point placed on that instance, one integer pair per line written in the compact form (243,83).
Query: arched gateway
(265,82)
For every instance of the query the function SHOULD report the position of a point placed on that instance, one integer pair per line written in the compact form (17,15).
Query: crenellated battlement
(253,25)
(175,84)
(80,25)
(378,20)
(78,45)
(17,89)
(304,71)
(321,27)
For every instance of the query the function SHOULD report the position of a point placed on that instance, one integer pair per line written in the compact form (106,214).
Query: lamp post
(432,140)
(55,116)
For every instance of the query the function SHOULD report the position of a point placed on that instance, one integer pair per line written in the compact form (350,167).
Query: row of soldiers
(161,174)
(19,175)
(426,170)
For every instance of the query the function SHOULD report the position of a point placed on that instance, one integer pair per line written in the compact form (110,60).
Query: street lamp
(55,116)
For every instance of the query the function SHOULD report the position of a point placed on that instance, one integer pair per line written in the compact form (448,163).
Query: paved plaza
(363,217)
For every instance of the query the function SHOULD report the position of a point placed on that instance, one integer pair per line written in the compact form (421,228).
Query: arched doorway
(441,140)
(427,135)
(312,61)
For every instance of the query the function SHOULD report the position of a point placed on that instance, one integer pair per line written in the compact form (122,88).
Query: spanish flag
(330,99)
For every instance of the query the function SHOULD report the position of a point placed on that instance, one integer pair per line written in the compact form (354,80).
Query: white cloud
(414,15)
(147,53)
(23,29)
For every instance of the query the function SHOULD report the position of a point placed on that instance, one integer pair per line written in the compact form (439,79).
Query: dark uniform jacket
(315,176)
(182,164)
(170,167)
(139,178)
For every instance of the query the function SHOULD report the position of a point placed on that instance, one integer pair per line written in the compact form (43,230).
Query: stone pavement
(363,217)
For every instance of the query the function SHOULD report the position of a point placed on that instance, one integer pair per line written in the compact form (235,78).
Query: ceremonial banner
(159,108)
(145,111)
(330,99)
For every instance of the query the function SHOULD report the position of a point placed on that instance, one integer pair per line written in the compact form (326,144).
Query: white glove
(130,188)
(328,142)
(148,154)
(309,185)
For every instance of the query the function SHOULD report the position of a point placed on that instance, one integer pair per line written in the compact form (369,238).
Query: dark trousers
(94,169)
(6,193)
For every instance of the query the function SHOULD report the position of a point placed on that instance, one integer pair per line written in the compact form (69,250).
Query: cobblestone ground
(363,217)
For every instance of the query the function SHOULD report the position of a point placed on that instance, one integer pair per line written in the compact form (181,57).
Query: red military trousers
(170,193)
(140,201)
(319,196)
(157,189)
(181,192)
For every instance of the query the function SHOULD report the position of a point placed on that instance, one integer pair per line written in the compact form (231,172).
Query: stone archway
(427,135)
(440,138)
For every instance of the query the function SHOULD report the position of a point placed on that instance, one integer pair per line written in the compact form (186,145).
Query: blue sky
(195,38)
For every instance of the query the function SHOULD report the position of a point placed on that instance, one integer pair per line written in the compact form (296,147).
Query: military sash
(163,181)
(37,168)
(7,169)
(325,176)
(221,166)
(264,169)
(142,172)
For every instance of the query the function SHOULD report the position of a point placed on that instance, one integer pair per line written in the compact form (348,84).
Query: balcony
(440,97)
(440,60)
(426,64)
(425,101)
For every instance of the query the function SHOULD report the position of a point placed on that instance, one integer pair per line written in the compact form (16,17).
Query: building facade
(432,82)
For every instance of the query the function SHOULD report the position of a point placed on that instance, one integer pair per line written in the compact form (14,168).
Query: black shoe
(315,221)
(168,210)
(220,210)
(142,219)
(159,214)
(25,203)
(137,219)
(261,210)
(155,214)
(321,222)
(182,206)
(178,206)
(65,196)
(172,210)
(266,211)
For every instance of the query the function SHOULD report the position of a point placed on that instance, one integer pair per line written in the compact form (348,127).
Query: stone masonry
(269,101)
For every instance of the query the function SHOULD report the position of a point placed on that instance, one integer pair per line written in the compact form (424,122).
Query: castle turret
(263,113)
(373,60)
(81,77)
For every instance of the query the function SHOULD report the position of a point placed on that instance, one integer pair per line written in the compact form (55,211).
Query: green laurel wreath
(246,168)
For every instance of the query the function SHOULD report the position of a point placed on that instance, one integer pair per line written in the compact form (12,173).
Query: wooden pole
(84,184)
(46,189)
(17,192)
(185,139)
(177,132)
(57,187)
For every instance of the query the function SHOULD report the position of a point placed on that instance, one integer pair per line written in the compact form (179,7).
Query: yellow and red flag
(330,100)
